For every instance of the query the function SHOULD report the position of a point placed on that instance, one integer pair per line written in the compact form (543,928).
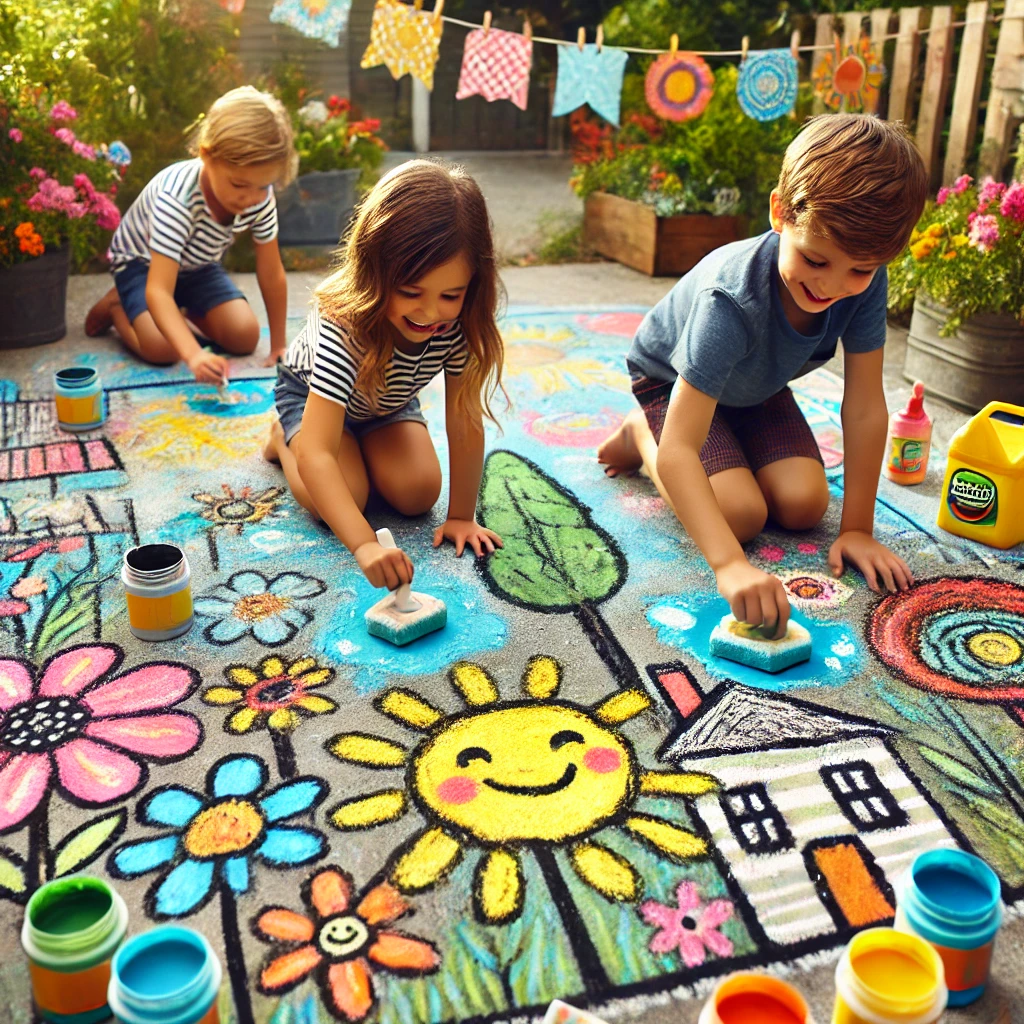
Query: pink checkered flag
(496,65)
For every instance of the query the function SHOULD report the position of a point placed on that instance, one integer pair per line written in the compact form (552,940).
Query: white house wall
(778,885)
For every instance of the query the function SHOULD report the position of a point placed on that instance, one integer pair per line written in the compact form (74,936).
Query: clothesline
(740,53)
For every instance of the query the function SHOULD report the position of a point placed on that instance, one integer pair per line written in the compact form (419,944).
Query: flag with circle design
(405,39)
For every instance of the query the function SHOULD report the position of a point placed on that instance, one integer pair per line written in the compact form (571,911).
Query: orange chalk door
(849,882)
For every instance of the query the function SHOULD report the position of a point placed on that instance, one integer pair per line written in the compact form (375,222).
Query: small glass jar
(157,584)
(79,398)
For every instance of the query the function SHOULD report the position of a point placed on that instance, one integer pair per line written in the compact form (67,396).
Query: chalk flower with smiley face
(345,939)
(504,776)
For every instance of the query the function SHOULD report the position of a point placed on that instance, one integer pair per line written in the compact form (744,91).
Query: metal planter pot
(315,209)
(32,300)
(981,363)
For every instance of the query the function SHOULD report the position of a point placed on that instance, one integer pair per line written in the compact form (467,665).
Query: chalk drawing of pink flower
(691,926)
(75,729)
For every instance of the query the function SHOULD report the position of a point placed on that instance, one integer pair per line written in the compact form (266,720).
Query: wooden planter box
(633,234)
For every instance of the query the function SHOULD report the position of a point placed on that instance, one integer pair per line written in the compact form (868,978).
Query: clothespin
(438,8)
(600,37)
(673,43)
(744,47)
(487,22)
(528,31)
(581,38)
(838,43)
(794,44)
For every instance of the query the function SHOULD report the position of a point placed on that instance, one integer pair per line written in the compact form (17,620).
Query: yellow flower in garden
(959,241)
(915,235)
(949,255)
(273,697)
(924,248)
(505,775)
(935,231)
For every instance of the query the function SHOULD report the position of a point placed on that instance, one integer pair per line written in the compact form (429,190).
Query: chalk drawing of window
(755,821)
(868,805)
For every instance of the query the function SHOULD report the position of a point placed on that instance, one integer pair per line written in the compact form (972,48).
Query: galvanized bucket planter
(983,362)
(316,208)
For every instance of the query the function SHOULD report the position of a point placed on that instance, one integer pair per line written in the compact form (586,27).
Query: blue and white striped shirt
(171,217)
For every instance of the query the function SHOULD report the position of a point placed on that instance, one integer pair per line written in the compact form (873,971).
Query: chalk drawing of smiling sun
(508,775)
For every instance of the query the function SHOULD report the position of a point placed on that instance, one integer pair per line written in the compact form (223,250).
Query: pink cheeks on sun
(602,760)
(459,789)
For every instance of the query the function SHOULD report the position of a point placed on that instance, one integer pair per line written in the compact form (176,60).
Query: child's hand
(209,368)
(754,596)
(275,355)
(383,567)
(466,531)
(875,561)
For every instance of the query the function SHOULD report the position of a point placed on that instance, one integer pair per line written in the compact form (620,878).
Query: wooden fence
(919,62)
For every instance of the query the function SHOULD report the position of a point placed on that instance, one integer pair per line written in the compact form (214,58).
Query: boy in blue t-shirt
(719,431)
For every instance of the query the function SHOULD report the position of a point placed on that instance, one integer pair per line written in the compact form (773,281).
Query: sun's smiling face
(545,773)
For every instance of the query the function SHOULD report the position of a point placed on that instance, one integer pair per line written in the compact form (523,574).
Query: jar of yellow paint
(888,977)
(78,395)
(157,584)
(983,492)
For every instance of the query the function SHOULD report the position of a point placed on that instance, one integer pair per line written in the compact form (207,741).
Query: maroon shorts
(750,437)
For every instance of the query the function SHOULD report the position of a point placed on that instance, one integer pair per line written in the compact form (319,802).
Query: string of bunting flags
(496,63)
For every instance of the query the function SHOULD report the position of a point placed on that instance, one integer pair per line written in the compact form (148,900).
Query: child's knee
(746,520)
(801,511)
(418,495)
(247,336)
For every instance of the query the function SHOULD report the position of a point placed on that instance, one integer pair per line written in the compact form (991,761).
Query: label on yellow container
(973,498)
(160,613)
(69,994)
(79,410)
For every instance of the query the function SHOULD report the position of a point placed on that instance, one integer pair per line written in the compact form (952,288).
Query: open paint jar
(952,900)
(72,928)
(157,585)
(165,976)
(78,395)
(754,999)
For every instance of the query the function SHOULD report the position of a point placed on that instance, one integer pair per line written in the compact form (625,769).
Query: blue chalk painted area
(686,622)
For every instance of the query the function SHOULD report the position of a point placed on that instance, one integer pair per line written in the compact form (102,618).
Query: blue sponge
(741,642)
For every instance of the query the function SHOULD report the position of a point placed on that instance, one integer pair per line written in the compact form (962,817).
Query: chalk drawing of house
(817,814)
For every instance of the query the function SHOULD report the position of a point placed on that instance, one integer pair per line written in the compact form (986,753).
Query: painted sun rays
(507,776)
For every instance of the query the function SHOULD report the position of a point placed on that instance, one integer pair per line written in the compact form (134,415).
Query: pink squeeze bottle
(910,434)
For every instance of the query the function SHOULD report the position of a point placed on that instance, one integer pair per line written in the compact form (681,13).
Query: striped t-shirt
(327,358)
(171,217)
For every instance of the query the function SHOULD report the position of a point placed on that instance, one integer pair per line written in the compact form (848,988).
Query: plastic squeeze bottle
(910,434)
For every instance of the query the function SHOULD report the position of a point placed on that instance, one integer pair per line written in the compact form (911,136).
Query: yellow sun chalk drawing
(505,776)
(622,706)
(499,886)
(609,873)
(366,811)
(474,684)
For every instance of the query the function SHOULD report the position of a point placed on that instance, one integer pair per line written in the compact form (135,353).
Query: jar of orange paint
(889,977)
(755,999)
(158,589)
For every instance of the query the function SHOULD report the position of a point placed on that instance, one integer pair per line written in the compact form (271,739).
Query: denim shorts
(197,291)
(291,392)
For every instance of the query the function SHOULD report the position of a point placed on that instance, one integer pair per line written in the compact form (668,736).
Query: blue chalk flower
(215,837)
(272,611)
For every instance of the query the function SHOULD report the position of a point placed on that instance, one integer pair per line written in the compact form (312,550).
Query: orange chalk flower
(343,941)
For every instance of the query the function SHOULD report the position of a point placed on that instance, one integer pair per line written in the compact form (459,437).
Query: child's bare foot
(99,319)
(620,453)
(274,439)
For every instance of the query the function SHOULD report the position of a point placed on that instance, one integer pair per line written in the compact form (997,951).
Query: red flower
(340,943)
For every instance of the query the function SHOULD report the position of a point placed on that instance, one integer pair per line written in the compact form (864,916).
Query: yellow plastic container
(983,493)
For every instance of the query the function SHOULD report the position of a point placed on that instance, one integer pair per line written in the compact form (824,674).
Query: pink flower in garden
(990,191)
(66,135)
(54,196)
(82,181)
(942,195)
(63,111)
(38,173)
(108,216)
(962,184)
(1012,205)
(15,135)
(85,735)
(690,926)
(984,232)
(83,150)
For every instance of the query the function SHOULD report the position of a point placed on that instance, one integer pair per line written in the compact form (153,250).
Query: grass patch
(561,241)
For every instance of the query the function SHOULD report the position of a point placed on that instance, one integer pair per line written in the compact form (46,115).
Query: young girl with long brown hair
(416,293)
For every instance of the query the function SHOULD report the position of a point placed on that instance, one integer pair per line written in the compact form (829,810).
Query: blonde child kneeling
(416,293)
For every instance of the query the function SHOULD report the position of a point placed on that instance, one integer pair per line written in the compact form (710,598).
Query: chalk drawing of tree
(555,558)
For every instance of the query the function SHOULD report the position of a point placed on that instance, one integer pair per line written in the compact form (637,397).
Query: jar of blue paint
(951,899)
(78,395)
(165,976)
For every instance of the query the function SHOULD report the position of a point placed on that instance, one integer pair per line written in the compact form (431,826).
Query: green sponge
(746,644)
(404,616)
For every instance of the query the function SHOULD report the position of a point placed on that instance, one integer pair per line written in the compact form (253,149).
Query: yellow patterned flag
(405,40)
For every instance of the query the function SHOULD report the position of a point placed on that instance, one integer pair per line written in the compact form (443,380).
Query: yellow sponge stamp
(746,644)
